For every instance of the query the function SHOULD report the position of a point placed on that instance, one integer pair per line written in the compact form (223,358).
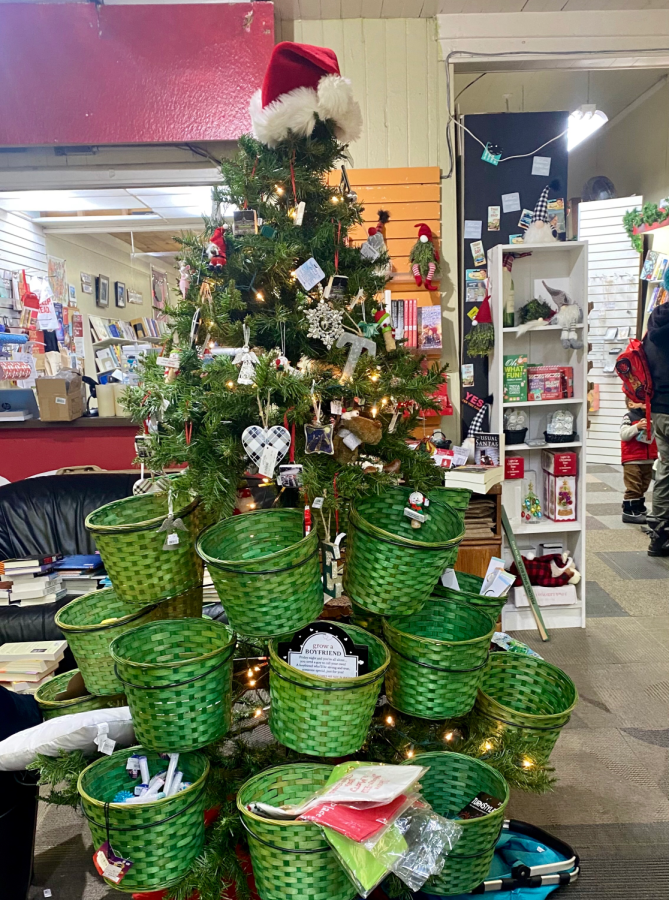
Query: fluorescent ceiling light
(174,201)
(583,122)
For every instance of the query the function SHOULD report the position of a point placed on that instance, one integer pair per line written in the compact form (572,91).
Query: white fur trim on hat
(296,111)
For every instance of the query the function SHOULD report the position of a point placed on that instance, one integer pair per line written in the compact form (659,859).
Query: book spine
(414,323)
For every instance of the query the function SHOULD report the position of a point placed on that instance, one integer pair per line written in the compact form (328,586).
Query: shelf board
(571,400)
(553,446)
(540,329)
(123,342)
(547,527)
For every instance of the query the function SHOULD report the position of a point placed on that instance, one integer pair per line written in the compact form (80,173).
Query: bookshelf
(565,260)
(109,335)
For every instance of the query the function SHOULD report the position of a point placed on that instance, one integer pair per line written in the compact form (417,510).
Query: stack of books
(34,581)
(81,574)
(26,666)
(478,479)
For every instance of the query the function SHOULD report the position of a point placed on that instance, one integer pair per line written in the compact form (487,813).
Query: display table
(33,447)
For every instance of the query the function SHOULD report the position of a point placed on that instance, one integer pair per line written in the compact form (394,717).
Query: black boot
(658,540)
(634,512)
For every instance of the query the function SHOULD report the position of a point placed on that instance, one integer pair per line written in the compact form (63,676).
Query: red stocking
(416,274)
(430,273)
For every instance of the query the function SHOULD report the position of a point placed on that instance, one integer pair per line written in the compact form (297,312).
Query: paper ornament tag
(290,476)
(416,516)
(325,649)
(336,287)
(268,461)
(172,539)
(299,212)
(244,221)
(142,446)
(111,866)
(309,274)
(336,407)
(318,503)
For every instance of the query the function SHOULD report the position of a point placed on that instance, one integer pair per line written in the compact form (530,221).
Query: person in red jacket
(637,455)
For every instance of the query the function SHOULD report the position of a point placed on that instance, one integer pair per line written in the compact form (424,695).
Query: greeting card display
(325,649)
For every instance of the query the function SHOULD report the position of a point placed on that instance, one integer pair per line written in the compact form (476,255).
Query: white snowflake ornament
(324,323)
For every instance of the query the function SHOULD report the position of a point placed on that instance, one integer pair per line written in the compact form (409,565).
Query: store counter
(33,447)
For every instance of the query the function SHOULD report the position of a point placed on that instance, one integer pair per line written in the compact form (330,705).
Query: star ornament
(324,323)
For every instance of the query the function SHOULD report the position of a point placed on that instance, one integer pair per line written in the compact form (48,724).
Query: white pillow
(80,731)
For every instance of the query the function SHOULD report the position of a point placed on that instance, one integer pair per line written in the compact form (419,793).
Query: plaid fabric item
(540,573)
(255,439)
(476,426)
(540,213)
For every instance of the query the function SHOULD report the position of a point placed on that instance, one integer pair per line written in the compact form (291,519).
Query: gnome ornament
(424,258)
(216,250)
(303,85)
(540,231)
(375,245)
(481,338)
(568,315)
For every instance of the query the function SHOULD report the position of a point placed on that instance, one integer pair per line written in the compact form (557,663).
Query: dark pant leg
(18,820)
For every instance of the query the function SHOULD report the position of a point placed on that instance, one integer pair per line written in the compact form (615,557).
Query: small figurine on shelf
(417,502)
(531,512)
(424,258)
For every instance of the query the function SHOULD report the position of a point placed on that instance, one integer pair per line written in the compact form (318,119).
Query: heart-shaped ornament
(255,439)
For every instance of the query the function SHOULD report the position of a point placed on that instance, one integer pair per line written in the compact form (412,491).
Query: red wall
(77,73)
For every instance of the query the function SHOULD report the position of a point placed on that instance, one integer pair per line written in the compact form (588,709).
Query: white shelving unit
(542,346)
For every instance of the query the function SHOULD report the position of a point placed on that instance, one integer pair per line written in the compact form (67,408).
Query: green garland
(480,340)
(649,214)
(535,309)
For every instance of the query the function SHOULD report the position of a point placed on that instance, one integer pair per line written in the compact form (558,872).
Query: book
(649,265)
(429,336)
(49,650)
(30,578)
(487,449)
(26,674)
(515,378)
(27,687)
(19,666)
(413,308)
(30,562)
(28,592)
(47,598)
(476,478)
(79,563)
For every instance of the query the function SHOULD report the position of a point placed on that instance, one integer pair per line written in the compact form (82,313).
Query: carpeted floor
(612,800)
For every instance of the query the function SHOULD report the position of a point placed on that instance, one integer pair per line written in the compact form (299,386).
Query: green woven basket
(369,621)
(291,860)
(437,659)
(470,585)
(457,498)
(187,605)
(127,536)
(266,573)
(391,568)
(528,697)
(52,708)
(80,621)
(325,716)
(177,675)
(162,838)
(451,782)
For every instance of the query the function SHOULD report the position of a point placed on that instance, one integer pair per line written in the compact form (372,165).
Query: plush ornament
(481,338)
(185,277)
(369,431)
(375,245)
(553,570)
(302,85)
(384,322)
(568,315)
(539,230)
(216,250)
(424,258)
(244,502)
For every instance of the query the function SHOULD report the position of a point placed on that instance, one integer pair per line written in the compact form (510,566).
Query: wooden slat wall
(410,195)
(613,288)
(21,247)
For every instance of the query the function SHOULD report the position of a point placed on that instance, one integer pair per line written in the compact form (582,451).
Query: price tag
(109,864)
(318,503)
(107,746)
(336,407)
(268,460)
(172,539)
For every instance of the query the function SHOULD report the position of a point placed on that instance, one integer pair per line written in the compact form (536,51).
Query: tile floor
(612,761)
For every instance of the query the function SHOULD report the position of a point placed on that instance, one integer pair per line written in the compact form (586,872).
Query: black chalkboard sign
(325,649)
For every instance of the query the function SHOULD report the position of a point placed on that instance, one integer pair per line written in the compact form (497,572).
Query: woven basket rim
(199,784)
(233,564)
(145,525)
(421,759)
(89,629)
(358,521)
(342,682)
(390,625)
(498,659)
(60,704)
(285,823)
(162,623)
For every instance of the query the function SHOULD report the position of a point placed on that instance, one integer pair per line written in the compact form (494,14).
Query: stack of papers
(25,666)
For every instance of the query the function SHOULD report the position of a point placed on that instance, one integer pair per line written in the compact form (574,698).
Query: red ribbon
(291,452)
(337,248)
(188,428)
(292,177)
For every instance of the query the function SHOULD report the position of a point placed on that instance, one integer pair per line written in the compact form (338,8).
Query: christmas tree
(294,301)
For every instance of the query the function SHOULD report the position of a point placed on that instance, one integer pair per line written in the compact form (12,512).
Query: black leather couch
(40,516)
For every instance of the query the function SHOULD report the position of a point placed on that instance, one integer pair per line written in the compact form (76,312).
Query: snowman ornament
(415,510)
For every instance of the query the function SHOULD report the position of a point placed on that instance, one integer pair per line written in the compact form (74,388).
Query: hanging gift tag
(110,865)
(336,287)
(299,212)
(142,446)
(168,362)
(336,407)
(244,221)
(318,503)
(268,461)
(327,650)
(309,274)
(172,539)
(290,476)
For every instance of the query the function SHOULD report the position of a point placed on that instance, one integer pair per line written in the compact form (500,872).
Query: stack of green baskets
(187,605)
(89,624)
(163,838)
(325,716)
(392,568)
(530,699)
(291,860)
(266,573)
(453,780)
(177,675)
(437,659)
(470,585)
(46,698)
(127,534)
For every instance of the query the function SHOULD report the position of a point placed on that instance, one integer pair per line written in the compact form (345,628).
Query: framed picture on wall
(120,293)
(102,290)
(134,297)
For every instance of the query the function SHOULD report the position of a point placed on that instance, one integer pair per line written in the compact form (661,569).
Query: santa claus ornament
(216,250)
(424,258)
(302,86)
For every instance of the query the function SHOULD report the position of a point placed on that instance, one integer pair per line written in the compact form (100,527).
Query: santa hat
(483,315)
(424,231)
(302,83)
(540,213)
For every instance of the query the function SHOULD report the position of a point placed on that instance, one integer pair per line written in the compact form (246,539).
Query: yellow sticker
(472,312)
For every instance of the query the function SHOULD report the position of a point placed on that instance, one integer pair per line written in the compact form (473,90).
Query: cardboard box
(546,596)
(559,462)
(514,467)
(60,397)
(560,497)
(515,378)
(550,382)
